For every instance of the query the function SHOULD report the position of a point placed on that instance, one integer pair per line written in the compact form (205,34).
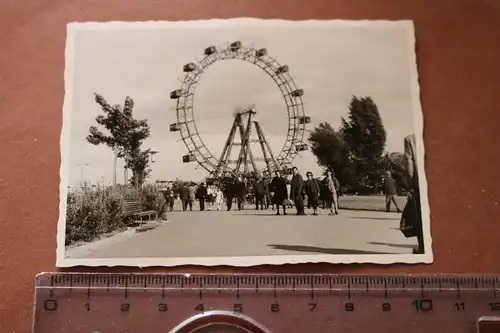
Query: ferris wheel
(198,152)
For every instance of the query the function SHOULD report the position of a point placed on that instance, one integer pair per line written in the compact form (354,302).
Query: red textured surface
(458,57)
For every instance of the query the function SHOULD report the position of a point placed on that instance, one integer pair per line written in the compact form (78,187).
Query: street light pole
(82,166)
(152,153)
(115,160)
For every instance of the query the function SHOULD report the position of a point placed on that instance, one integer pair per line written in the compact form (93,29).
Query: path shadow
(323,250)
(407,246)
(256,215)
(375,218)
(271,214)
(363,209)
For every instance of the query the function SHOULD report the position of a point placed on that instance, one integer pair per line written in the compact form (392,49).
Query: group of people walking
(265,192)
(302,189)
(278,192)
(210,197)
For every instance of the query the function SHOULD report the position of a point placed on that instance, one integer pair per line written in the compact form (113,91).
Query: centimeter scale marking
(331,300)
(278,281)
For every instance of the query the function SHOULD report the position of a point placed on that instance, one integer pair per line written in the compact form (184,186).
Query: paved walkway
(255,233)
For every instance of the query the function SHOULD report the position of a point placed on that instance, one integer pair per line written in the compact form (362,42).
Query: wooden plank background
(458,49)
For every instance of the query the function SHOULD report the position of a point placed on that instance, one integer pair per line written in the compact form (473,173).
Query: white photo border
(245,261)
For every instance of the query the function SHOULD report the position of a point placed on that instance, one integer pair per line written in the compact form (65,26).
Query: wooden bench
(133,207)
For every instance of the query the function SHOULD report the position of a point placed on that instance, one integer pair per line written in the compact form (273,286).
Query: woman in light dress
(219,198)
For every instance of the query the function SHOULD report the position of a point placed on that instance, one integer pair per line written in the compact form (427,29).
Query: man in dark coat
(239,192)
(297,191)
(279,192)
(202,195)
(323,194)
(259,190)
(184,195)
(229,193)
(312,189)
(390,192)
(168,194)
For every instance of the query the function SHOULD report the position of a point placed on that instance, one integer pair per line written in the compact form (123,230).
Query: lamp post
(152,153)
(82,166)
(115,160)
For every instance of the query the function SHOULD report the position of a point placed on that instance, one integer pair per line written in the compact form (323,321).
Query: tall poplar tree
(365,135)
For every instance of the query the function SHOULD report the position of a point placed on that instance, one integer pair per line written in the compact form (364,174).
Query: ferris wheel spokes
(292,95)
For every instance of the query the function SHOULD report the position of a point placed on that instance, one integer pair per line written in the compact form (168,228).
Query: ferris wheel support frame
(245,156)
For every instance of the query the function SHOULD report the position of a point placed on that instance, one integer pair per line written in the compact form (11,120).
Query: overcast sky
(331,61)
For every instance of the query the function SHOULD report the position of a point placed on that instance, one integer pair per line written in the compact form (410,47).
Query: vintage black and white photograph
(242,142)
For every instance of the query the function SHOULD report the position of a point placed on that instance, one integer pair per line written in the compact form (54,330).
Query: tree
(331,152)
(365,136)
(125,137)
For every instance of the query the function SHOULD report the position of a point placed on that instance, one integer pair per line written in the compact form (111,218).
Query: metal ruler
(182,303)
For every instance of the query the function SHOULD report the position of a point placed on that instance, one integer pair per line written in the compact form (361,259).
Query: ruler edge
(40,275)
(421,278)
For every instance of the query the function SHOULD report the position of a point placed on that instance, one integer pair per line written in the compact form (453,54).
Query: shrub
(92,212)
(153,199)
